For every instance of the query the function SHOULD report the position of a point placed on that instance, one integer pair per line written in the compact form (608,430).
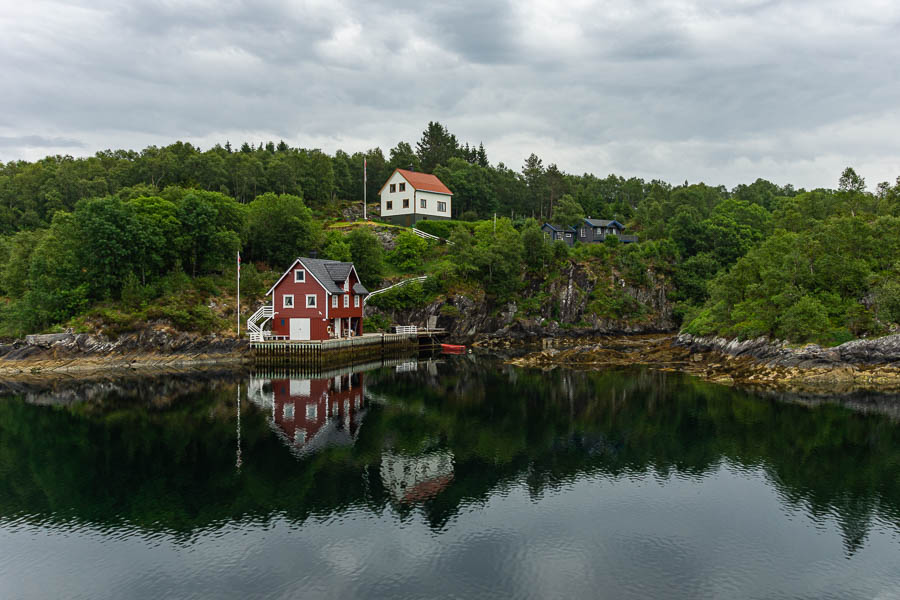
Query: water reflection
(310,414)
(674,474)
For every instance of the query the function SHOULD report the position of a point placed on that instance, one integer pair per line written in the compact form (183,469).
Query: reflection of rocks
(416,478)
(859,365)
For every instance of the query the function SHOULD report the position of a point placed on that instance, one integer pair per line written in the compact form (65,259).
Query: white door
(299,329)
(337,327)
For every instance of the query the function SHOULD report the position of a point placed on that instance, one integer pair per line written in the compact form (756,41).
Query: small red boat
(453,349)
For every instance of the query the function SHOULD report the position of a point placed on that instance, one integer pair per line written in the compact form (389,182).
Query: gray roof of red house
(330,273)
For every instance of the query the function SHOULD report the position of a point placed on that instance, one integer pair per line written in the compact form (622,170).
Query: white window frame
(423,203)
(355,300)
(288,411)
(284,301)
(312,415)
(299,276)
(334,301)
(315,301)
(442,206)
(346,300)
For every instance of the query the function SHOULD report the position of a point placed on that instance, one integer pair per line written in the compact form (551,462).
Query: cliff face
(575,300)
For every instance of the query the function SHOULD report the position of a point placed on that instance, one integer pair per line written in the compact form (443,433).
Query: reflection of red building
(315,413)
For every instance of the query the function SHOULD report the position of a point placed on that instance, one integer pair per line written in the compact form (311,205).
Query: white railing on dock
(406,329)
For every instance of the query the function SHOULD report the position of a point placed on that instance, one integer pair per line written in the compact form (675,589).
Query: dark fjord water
(455,478)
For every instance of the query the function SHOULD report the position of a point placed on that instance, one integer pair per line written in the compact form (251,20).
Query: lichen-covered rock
(884,350)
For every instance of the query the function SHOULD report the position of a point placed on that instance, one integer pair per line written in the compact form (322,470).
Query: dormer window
(299,276)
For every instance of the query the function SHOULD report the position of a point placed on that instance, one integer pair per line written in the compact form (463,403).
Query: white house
(409,197)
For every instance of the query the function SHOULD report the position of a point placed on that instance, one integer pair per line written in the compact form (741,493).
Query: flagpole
(238,311)
(365,178)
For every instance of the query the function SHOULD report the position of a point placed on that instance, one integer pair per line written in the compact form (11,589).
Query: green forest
(123,238)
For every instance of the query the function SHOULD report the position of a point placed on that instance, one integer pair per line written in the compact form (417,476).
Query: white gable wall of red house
(309,305)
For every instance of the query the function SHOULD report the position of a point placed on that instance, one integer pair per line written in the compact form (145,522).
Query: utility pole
(238,309)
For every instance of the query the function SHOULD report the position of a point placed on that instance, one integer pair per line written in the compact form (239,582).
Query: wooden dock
(341,351)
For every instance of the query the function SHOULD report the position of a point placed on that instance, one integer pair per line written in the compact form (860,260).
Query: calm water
(451,478)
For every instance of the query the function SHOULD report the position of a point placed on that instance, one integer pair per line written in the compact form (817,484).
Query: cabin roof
(559,228)
(603,223)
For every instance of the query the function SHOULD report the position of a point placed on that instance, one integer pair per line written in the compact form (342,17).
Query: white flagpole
(238,311)
(365,178)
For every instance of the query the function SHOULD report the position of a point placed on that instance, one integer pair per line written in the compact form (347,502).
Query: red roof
(424,182)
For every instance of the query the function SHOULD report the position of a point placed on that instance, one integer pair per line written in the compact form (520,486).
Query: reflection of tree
(171,466)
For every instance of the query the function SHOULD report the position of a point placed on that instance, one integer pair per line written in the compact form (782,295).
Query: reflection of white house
(409,197)
(416,478)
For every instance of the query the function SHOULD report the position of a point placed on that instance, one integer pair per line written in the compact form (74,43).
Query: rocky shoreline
(152,348)
(761,364)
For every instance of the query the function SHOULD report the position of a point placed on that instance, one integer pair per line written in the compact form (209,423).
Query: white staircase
(257,321)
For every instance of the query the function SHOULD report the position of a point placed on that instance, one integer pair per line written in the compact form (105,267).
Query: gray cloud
(37,141)
(708,90)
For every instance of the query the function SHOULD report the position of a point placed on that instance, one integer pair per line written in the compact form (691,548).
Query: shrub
(805,320)
(376,323)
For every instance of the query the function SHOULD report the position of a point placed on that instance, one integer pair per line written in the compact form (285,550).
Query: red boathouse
(317,299)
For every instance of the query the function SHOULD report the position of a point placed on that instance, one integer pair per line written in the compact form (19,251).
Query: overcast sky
(716,91)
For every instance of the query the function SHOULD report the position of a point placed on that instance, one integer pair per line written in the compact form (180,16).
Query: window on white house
(355,301)
(390,205)
(422,203)
(299,276)
(406,203)
(442,207)
(346,300)
(310,301)
(393,187)
(287,301)
(402,187)
(334,301)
